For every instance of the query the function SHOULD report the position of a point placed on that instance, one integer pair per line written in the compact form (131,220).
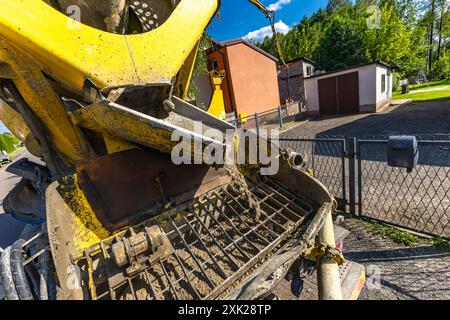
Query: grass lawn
(437,95)
(16,152)
(433,84)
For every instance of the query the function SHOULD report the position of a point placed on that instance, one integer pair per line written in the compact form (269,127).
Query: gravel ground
(421,272)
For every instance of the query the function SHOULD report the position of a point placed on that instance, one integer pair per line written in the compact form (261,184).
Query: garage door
(339,94)
(328,96)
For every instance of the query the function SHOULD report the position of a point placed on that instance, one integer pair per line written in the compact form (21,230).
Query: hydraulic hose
(31,268)
(6,275)
(18,271)
(34,279)
(31,281)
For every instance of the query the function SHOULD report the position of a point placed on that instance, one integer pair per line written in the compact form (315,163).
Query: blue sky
(241,19)
(2,128)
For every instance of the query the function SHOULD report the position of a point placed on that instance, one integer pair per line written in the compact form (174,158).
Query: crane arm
(261,7)
(271,16)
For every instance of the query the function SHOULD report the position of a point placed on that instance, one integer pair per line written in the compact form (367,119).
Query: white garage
(359,89)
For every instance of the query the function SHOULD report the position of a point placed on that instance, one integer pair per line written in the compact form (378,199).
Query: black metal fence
(356,172)
(419,201)
(326,159)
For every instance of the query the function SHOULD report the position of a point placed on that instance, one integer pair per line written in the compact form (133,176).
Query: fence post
(344,175)
(280,116)
(360,178)
(351,155)
(257,123)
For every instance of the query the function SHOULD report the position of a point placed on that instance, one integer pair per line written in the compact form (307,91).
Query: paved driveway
(10,229)
(416,119)
(396,272)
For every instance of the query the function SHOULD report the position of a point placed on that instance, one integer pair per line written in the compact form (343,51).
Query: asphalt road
(10,228)
(427,118)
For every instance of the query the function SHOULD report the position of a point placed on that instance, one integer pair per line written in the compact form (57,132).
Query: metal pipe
(288,77)
(45,274)
(280,117)
(257,123)
(352,152)
(328,273)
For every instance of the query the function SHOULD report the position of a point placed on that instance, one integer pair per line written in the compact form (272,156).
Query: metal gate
(418,201)
(356,173)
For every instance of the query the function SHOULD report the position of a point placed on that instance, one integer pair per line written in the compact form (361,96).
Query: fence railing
(357,174)
(271,119)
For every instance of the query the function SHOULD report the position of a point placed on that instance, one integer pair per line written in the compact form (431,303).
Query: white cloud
(259,35)
(278,5)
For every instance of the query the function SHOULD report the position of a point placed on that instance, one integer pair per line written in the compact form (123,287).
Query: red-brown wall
(251,83)
(254,79)
(220,57)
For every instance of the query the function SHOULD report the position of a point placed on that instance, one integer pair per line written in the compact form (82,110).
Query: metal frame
(425,188)
(277,117)
(413,199)
(215,243)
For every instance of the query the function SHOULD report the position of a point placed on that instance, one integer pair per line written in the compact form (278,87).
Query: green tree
(343,43)
(441,68)
(390,42)
(8,142)
(414,34)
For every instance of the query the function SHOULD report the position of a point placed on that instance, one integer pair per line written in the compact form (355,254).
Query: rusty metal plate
(125,186)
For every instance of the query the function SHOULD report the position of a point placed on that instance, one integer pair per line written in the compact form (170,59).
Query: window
(214,65)
(309,71)
(383,83)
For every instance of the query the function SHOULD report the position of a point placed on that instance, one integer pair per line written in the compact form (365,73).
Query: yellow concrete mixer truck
(96,90)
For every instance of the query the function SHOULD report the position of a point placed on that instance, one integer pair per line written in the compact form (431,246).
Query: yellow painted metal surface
(359,287)
(243,117)
(72,54)
(27,75)
(115,145)
(85,229)
(185,75)
(118,122)
(37,41)
(13,121)
(217,105)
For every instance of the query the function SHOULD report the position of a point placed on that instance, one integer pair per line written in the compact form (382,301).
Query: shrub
(8,142)
(441,68)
